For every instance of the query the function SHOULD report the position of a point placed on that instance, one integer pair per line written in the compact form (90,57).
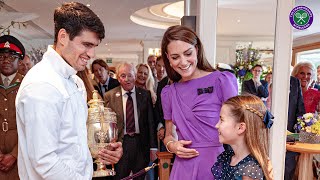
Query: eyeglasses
(257,70)
(10,58)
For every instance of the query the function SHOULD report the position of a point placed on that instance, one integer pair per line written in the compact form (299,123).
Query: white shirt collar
(11,77)
(133,90)
(57,62)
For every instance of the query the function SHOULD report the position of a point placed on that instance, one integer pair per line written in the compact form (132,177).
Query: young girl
(244,125)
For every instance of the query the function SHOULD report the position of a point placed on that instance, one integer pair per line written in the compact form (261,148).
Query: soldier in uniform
(11,51)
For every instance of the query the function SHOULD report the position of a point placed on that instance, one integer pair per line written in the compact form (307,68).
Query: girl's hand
(178,148)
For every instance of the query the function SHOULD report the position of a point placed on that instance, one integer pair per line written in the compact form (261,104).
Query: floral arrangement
(309,122)
(246,58)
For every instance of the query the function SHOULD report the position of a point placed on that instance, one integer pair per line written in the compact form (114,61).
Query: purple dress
(195,111)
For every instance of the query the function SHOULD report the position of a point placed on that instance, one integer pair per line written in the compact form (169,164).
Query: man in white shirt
(51,109)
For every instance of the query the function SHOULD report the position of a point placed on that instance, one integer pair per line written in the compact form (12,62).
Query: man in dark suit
(256,86)
(135,122)
(295,109)
(100,70)
(160,122)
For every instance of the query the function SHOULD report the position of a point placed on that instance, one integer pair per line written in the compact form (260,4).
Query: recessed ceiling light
(106,44)
(238,20)
(88,5)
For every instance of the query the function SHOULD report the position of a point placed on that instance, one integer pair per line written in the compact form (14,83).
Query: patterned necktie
(130,124)
(6,82)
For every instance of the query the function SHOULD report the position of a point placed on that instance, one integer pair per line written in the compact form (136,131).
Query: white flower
(307,120)
(117,94)
(308,115)
(308,129)
(250,67)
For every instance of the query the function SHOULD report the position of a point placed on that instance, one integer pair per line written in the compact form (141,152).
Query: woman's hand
(178,148)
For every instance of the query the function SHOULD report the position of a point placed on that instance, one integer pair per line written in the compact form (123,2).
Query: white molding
(281,81)
(206,27)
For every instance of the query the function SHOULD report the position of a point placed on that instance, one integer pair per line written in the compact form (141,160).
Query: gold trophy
(102,130)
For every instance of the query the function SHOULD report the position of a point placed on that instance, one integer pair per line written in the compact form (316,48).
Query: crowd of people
(176,102)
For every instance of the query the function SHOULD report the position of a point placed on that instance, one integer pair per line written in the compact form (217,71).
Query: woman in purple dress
(193,104)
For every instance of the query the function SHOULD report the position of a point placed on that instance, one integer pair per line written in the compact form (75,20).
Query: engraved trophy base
(103,173)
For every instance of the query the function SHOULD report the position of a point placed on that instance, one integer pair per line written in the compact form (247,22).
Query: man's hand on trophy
(111,154)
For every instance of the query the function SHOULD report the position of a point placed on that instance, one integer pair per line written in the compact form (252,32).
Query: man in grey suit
(135,122)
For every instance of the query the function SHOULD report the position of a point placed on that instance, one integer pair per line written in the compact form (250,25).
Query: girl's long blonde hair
(250,110)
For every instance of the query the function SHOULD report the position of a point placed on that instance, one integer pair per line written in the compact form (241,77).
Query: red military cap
(11,44)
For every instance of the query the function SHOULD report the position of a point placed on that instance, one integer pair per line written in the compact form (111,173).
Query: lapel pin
(117,94)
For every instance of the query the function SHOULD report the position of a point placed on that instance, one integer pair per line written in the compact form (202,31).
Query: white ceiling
(124,37)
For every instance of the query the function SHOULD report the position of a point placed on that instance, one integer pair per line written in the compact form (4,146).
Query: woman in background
(145,80)
(306,73)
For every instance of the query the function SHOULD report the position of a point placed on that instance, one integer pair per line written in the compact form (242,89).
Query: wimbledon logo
(301,17)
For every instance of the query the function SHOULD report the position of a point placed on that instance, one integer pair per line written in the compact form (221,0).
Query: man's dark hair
(101,63)
(257,65)
(75,17)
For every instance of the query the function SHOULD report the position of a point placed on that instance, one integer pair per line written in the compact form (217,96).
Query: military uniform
(8,131)
(11,49)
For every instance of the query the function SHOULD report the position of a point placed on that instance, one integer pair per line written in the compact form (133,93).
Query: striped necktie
(6,82)
(130,124)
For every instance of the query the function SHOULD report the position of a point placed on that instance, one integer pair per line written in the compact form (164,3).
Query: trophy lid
(95,98)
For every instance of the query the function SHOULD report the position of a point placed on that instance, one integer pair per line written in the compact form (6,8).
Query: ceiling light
(175,9)
(238,20)
(88,5)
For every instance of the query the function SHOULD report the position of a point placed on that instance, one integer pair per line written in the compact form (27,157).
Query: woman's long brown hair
(185,34)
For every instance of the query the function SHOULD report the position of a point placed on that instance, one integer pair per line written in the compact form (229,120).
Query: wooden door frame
(302,48)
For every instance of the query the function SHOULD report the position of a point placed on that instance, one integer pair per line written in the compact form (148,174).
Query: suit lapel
(14,85)
(117,100)
(253,86)
(2,89)
(139,97)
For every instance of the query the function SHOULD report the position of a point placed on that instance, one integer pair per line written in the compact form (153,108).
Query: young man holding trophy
(51,109)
